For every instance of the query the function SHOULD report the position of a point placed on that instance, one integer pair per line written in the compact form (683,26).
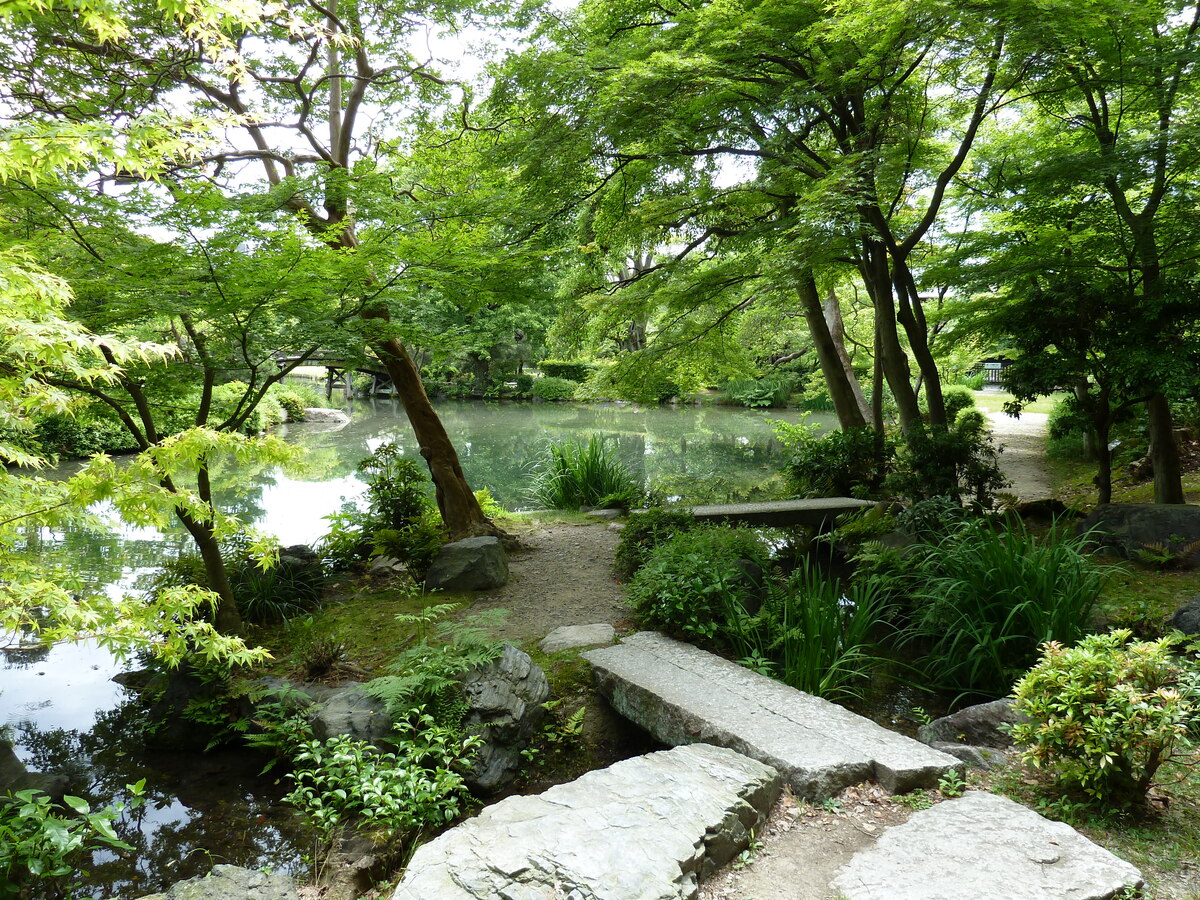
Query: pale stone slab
(684,695)
(982,845)
(567,637)
(646,828)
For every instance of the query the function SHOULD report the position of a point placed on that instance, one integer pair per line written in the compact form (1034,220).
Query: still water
(62,713)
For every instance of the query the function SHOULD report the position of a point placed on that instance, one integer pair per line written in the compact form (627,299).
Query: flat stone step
(780,513)
(684,695)
(982,845)
(645,828)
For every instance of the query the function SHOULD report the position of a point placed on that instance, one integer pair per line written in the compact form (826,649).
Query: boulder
(979,725)
(1126,528)
(646,828)
(566,637)
(1187,617)
(351,711)
(15,777)
(317,415)
(386,566)
(473,564)
(232,883)
(982,845)
(982,758)
(504,706)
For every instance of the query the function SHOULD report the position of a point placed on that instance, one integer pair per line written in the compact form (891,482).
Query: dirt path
(565,578)
(1023,453)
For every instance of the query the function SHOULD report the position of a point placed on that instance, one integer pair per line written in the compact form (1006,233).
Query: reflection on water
(64,714)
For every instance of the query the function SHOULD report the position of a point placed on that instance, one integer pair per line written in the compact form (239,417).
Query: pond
(62,712)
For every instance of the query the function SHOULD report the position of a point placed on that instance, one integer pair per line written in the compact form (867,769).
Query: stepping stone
(645,828)
(683,695)
(566,637)
(981,845)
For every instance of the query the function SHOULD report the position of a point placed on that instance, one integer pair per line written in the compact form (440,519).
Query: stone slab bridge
(815,513)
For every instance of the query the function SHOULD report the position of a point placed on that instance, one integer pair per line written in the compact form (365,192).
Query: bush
(41,847)
(572,370)
(835,464)
(985,600)
(956,399)
(76,437)
(524,383)
(758,393)
(225,399)
(940,461)
(295,399)
(1108,713)
(645,531)
(694,583)
(972,382)
(550,388)
(813,633)
(573,475)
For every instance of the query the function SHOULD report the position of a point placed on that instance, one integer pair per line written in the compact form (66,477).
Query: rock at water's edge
(231,883)
(982,725)
(473,564)
(504,706)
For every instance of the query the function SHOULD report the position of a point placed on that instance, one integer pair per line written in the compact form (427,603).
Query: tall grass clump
(575,474)
(814,633)
(986,597)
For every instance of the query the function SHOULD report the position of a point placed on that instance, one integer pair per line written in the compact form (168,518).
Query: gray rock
(606,514)
(645,828)
(504,706)
(565,637)
(351,711)
(683,695)
(383,566)
(1127,528)
(981,845)
(15,777)
(979,725)
(1187,617)
(473,564)
(983,758)
(317,415)
(232,883)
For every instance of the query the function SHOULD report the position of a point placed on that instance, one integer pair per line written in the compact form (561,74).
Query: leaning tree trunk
(837,330)
(845,403)
(455,499)
(912,317)
(227,619)
(891,353)
(1164,454)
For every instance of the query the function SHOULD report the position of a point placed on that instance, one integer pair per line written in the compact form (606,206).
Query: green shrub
(75,437)
(226,398)
(574,474)
(524,384)
(986,599)
(758,393)
(572,370)
(550,388)
(972,382)
(940,461)
(697,580)
(933,518)
(956,399)
(835,464)
(295,399)
(813,633)
(645,531)
(1108,713)
(42,847)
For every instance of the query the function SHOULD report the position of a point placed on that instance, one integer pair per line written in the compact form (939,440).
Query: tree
(317,94)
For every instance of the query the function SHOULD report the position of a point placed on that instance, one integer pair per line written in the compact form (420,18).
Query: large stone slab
(814,513)
(646,828)
(683,695)
(981,845)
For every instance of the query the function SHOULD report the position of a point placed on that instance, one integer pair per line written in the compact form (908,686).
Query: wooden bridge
(340,372)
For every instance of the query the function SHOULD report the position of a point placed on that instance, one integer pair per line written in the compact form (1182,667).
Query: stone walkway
(649,828)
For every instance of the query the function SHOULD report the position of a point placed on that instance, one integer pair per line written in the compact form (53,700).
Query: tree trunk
(455,499)
(845,403)
(227,619)
(837,330)
(912,317)
(889,349)
(1091,436)
(1102,429)
(1164,454)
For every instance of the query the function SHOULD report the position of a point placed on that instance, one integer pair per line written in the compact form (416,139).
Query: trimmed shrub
(644,532)
(574,475)
(956,399)
(572,370)
(1108,713)
(758,393)
(550,388)
(835,464)
(694,583)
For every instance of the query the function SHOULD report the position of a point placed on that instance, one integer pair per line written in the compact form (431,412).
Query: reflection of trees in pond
(200,809)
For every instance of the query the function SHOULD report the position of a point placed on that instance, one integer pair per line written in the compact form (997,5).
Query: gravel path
(1023,453)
